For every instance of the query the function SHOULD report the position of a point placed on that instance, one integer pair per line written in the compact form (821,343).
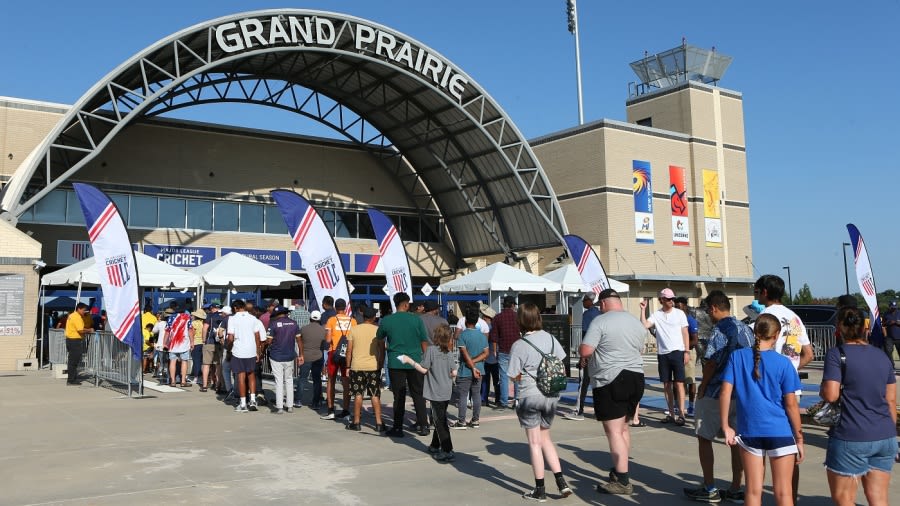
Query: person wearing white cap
(672,348)
(311,360)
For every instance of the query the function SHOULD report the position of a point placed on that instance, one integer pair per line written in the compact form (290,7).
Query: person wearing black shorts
(672,347)
(612,347)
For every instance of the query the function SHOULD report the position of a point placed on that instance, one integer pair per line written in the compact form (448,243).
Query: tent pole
(43,323)
(78,293)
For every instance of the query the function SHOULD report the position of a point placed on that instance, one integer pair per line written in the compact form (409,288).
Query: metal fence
(822,339)
(106,360)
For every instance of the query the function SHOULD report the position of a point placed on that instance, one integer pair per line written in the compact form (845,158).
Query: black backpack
(339,355)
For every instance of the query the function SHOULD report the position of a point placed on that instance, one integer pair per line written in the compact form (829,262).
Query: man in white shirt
(793,342)
(244,339)
(671,347)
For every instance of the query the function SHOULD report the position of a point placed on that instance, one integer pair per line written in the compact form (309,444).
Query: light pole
(790,291)
(846,279)
(572,12)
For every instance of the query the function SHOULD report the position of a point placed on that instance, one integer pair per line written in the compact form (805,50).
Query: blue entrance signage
(297,265)
(272,257)
(181,256)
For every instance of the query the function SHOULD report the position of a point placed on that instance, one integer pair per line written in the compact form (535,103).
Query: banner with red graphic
(866,278)
(115,261)
(393,255)
(315,245)
(681,232)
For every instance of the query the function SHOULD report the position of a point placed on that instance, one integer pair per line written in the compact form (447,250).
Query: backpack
(551,372)
(339,356)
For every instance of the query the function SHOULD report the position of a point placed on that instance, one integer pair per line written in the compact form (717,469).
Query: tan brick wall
(20,131)
(732,121)
(15,244)
(669,111)
(703,114)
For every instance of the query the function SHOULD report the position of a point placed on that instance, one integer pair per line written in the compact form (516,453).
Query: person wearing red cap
(672,348)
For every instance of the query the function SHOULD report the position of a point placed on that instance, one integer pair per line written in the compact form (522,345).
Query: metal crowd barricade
(105,359)
(822,339)
(56,342)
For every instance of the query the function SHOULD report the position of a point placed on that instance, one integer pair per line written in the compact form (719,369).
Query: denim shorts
(856,458)
(184,356)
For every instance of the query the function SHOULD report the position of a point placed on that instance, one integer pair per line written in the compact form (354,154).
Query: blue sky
(817,81)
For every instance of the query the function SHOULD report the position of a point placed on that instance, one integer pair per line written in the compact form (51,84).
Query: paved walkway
(87,445)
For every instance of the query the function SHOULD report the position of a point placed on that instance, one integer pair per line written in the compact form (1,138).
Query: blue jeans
(196,360)
(503,360)
(308,369)
(226,375)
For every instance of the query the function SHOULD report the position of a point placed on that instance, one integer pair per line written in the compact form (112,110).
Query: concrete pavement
(88,445)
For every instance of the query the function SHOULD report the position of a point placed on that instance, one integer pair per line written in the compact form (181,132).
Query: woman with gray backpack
(536,365)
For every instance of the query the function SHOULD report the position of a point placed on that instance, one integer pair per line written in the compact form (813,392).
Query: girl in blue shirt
(763,382)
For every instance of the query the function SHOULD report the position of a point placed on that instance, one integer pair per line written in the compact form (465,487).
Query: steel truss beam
(369,98)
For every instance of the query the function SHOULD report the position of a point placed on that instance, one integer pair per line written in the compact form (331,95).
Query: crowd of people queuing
(748,393)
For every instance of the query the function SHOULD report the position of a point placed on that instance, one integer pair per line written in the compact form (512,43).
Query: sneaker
(380,428)
(735,496)
(701,494)
(343,414)
(253,406)
(297,404)
(459,425)
(615,487)
(288,409)
(537,494)
(564,489)
(572,415)
(395,432)
(353,426)
(449,456)
(424,432)
(279,411)
(261,399)
(690,411)
(473,424)
(240,409)
(434,451)
(329,416)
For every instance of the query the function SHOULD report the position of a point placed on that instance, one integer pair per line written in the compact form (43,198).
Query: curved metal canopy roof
(450,145)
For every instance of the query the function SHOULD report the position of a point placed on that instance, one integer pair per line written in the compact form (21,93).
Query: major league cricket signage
(315,246)
(115,261)
(393,254)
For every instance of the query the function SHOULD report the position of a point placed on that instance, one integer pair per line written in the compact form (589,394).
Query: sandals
(639,424)
(186,385)
(668,419)
(679,421)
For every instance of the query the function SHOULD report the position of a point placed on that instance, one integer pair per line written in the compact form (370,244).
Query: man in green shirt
(406,335)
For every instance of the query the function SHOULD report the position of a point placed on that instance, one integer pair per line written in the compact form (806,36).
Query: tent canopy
(237,270)
(570,280)
(499,277)
(151,273)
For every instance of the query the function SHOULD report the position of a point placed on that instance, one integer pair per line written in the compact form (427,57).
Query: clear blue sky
(818,83)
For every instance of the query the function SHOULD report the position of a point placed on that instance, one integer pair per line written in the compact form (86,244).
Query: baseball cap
(892,304)
(280,310)
(666,293)
(431,305)
(315,315)
(509,300)
(588,296)
(226,309)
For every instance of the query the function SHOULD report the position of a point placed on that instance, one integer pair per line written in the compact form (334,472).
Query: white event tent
(151,273)
(497,280)
(236,270)
(571,281)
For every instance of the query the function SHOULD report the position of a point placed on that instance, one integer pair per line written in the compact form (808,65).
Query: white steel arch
(468,159)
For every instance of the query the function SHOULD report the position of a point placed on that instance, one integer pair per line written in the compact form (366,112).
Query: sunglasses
(670,299)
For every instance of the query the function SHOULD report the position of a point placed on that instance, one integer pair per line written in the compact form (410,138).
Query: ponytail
(767,327)
(756,357)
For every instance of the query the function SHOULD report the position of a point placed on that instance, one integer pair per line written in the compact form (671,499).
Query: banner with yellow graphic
(711,210)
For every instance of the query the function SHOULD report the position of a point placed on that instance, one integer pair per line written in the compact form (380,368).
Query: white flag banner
(316,246)
(393,255)
(116,264)
(865,277)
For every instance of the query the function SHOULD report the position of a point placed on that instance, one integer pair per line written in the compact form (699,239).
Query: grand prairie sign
(317,30)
